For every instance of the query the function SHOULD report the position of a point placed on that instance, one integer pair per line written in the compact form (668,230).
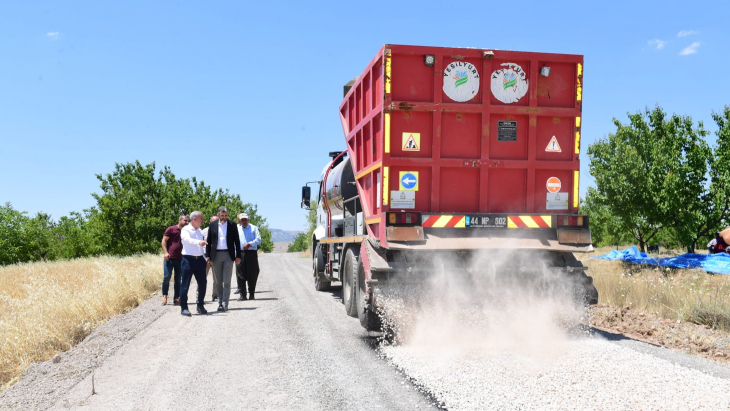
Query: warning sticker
(402,199)
(553,184)
(408,181)
(556,201)
(411,141)
(553,146)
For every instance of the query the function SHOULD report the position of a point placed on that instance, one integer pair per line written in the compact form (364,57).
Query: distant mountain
(282,235)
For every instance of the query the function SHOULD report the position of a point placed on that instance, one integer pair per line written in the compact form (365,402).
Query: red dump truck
(452,152)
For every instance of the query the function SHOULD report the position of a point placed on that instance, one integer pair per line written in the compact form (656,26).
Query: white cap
(243,215)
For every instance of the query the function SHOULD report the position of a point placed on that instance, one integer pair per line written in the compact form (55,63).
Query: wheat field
(47,308)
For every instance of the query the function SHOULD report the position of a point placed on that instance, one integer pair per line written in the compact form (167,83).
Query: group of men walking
(192,252)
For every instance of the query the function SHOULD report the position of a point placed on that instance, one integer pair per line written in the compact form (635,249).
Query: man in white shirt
(193,261)
(248,270)
(209,265)
(223,248)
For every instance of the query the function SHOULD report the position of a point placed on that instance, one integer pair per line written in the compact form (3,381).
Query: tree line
(658,181)
(135,206)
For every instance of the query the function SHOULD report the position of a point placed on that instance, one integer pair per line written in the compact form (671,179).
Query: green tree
(606,228)
(303,241)
(136,206)
(658,173)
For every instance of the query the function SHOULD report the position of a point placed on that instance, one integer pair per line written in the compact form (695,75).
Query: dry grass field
(687,310)
(684,295)
(46,308)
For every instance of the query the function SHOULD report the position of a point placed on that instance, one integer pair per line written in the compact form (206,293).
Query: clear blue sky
(244,95)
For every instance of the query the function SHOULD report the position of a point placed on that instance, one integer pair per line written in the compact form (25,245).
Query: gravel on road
(290,349)
(295,348)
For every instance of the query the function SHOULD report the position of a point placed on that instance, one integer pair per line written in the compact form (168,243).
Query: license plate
(486,221)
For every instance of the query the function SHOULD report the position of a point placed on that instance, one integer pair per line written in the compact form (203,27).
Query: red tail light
(403,219)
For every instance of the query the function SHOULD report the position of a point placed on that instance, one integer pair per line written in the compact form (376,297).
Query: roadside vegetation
(132,211)
(49,307)
(658,181)
(303,241)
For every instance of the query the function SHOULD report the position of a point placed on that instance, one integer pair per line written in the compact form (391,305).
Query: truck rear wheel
(320,283)
(349,286)
(368,318)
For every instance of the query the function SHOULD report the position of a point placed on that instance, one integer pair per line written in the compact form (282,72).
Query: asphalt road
(292,348)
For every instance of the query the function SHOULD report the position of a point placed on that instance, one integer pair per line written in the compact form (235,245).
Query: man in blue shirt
(248,270)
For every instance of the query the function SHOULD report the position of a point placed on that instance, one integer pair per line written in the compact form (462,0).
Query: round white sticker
(461,81)
(509,84)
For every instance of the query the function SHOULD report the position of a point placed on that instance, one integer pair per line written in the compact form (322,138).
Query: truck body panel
(477,132)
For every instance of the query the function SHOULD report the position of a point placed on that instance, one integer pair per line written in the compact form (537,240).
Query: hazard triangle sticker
(411,141)
(553,146)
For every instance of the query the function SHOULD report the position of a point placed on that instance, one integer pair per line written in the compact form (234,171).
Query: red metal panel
(463,164)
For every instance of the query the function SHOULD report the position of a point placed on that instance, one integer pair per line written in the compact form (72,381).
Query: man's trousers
(222,271)
(168,266)
(248,271)
(192,266)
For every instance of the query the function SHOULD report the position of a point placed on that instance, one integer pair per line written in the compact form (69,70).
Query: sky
(245,95)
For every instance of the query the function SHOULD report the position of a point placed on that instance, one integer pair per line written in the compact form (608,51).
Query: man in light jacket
(248,269)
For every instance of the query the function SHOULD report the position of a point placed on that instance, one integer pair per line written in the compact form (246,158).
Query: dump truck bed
(487,138)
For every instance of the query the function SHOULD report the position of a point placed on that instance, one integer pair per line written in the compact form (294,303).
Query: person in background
(248,269)
(717,245)
(172,247)
(208,266)
(223,247)
(193,262)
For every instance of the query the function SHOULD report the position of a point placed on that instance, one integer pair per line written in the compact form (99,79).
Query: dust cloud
(487,301)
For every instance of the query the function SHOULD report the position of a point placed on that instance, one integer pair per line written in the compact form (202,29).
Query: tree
(136,206)
(303,241)
(623,165)
(606,229)
(658,173)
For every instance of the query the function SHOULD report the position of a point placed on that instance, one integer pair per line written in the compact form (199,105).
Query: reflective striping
(548,220)
(577,121)
(386,126)
(442,221)
(577,142)
(576,181)
(429,222)
(579,85)
(372,220)
(530,221)
(445,221)
(461,223)
(387,71)
(369,170)
(385,185)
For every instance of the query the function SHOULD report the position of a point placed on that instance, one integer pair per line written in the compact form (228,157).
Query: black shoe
(251,296)
(238,291)
(215,297)
(186,313)
(176,302)
(220,308)
(242,298)
(202,310)
(225,307)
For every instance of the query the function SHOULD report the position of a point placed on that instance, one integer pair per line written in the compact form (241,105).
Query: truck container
(451,150)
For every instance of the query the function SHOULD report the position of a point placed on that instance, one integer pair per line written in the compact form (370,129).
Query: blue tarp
(712,263)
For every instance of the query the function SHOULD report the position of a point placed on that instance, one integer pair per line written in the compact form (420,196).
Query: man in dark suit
(224,246)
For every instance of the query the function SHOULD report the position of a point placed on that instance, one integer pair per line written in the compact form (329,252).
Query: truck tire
(320,283)
(585,282)
(368,318)
(349,286)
